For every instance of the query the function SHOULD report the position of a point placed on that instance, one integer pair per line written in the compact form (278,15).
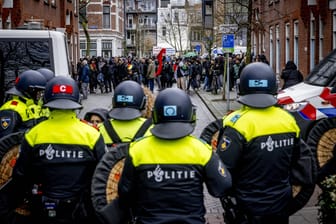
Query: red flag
(160,57)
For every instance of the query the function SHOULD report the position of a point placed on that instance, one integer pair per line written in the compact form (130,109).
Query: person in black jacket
(291,75)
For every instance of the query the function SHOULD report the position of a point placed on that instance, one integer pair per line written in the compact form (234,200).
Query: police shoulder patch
(221,169)
(226,141)
(5,122)
(235,118)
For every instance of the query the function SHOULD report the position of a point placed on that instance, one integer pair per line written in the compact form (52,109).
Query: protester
(150,74)
(164,174)
(84,79)
(291,75)
(96,116)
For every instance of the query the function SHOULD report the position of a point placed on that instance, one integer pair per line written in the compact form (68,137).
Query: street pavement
(209,107)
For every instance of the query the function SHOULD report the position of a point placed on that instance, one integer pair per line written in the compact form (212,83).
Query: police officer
(129,100)
(257,145)
(59,156)
(163,175)
(48,75)
(22,110)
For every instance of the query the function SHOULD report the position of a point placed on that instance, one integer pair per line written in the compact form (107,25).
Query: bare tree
(174,29)
(239,13)
(83,20)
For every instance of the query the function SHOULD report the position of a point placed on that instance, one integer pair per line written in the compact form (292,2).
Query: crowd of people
(100,75)
(165,167)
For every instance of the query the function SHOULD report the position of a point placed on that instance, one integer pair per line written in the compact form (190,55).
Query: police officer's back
(257,145)
(164,173)
(22,111)
(129,100)
(59,156)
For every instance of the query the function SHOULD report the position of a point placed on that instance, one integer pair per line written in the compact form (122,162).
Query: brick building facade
(302,31)
(59,15)
(106,28)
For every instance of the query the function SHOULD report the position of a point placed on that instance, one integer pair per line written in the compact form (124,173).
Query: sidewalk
(218,108)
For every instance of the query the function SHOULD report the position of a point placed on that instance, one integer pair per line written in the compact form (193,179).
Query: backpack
(117,142)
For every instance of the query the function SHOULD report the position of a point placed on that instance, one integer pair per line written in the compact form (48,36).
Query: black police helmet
(62,93)
(28,83)
(47,73)
(257,85)
(128,101)
(173,114)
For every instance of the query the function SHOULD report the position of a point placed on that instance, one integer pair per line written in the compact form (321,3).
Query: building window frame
(271,45)
(287,42)
(277,49)
(321,38)
(296,43)
(106,17)
(312,40)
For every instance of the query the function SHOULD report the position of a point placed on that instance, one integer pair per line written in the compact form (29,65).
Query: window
(93,47)
(296,43)
(106,48)
(176,17)
(106,17)
(145,20)
(321,39)
(164,3)
(67,19)
(208,8)
(287,43)
(20,55)
(196,36)
(130,21)
(312,40)
(278,50)
(271,46)
(164,31)
(75,6)
(106,44)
